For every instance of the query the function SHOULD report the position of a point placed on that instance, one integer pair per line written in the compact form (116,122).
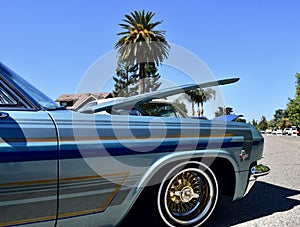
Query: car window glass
(158,109)
(6,99)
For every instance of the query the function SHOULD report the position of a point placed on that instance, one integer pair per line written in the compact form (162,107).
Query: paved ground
(275,199)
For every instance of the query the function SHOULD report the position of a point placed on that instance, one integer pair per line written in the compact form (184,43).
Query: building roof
(79,100)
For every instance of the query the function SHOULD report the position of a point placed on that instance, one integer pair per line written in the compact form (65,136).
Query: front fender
(206,156)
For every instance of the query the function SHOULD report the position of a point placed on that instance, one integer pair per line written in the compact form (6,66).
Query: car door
(28,162)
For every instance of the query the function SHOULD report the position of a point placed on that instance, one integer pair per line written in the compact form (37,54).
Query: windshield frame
(33,96)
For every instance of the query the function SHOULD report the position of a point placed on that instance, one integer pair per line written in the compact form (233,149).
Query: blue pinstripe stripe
(70,152)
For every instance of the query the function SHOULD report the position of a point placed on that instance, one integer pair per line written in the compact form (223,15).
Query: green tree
(192,97)
(141,43)
(263,124)
(254,123)
(293,106)
(125,78)
(224,111)
(297,84)
(240,120)
(199,97)
(271,123)
(220,112)
(228,110)
(278,115)
(284,123)
(294,111)
(151,81)
(181,105)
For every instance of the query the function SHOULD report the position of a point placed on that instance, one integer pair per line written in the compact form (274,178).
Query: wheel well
(225,175)
(221,167)
(144,203)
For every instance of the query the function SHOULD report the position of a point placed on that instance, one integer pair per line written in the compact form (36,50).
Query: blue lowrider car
(64,168)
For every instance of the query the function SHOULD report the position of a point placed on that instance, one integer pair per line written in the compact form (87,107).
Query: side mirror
(4,115)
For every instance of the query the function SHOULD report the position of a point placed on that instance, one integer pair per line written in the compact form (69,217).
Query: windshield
(160,109)
(87,106)
(36,94)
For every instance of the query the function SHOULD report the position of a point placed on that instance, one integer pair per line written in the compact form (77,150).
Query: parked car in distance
(269,132)
(289,131)
(298,132)
(274,132)
(293,131)
(285,131)
(279,132)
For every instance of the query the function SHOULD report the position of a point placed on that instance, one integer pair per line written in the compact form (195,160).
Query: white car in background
(293,131)
(269,132)
(285,131)
(279,132)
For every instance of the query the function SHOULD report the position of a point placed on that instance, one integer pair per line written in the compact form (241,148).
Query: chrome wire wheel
(187,195)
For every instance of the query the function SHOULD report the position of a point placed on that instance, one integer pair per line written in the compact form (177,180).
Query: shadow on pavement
(264,199)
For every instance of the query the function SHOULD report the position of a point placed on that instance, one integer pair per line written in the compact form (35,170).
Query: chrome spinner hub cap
(187,194)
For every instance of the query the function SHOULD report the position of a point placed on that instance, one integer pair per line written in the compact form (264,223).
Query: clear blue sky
(52,43)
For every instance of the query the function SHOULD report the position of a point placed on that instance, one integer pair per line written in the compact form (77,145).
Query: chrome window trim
(23,103)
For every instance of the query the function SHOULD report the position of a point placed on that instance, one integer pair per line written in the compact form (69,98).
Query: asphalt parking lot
(275,199)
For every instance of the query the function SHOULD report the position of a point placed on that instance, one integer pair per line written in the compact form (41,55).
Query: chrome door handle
(4,115)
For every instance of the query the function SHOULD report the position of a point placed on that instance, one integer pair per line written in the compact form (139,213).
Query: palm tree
(199,97)
(141,44)
(192,98)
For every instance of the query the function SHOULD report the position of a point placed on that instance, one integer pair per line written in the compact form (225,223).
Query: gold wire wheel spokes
(186,193)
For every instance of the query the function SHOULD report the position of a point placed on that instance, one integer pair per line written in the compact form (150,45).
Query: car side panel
(28,168)
(104,158)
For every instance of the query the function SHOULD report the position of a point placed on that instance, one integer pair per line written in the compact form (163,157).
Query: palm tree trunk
(142,78)
(193,109)
(127,80)
(202,110)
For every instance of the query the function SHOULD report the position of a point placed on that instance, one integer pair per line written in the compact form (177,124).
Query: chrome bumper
(259,170)
(255,172)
